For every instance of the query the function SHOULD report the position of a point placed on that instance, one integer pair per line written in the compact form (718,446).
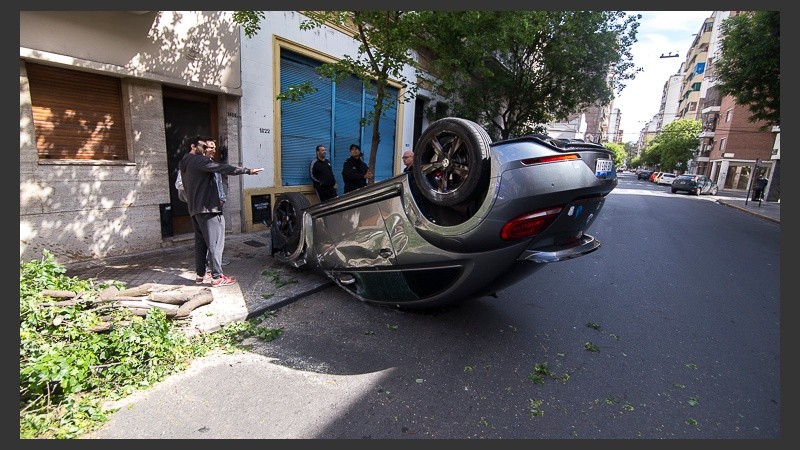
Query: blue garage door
(331,116)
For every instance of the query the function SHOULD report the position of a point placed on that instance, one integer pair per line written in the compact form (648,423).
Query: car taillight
(549,159)
(529,224)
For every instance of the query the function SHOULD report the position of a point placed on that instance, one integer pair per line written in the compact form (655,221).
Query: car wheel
(674,191)
(287,222)
(697,192)
(448,161)
(714,191)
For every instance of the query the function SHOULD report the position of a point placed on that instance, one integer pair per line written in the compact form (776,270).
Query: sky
(660,32)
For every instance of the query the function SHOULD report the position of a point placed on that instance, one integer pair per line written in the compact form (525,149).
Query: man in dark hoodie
(355,171)
(202,197)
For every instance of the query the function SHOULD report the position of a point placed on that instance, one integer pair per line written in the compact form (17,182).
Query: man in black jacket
(322,176)
(205,208)
(355,171)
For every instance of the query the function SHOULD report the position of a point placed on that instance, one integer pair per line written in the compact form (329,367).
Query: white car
(666,178)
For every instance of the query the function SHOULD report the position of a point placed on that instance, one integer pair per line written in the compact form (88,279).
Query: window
(695,86)
(699,68)
(76,115)
(722,144)
(728,114)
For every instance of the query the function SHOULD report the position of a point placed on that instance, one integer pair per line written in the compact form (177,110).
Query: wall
(89,209)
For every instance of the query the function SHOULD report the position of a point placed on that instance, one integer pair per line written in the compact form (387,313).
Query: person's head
(320,152)
(198,145)
(211,148)
(355,151)
(408,158)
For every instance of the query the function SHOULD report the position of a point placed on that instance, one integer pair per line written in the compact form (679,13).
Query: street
(671,330)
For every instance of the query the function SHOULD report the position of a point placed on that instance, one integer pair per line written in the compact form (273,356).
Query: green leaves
(67,371)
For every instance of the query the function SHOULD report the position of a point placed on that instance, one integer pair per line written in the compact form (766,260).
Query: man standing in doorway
(322,176)
(202,198)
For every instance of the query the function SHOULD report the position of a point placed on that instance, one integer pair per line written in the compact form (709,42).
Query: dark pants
(209,243)
(326,193)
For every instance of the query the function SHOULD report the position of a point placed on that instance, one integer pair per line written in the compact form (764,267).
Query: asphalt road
(671,330)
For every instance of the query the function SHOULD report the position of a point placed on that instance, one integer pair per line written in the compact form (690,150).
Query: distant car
(694,184)
(653,176)
(472,217)
(666,179)
(644,175)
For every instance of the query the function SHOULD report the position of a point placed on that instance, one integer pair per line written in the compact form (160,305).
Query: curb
(749,211)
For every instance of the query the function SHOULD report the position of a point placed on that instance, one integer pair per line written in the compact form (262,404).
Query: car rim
(285,217)
(446,162)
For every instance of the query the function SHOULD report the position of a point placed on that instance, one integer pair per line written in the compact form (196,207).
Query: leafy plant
(534,408)
(591,347)
(278,279)
(67,370)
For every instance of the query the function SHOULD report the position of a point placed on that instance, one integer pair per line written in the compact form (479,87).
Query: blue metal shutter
(349,107)
(305,123)
(384,163)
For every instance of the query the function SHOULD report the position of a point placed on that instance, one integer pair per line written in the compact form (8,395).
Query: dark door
(186,114)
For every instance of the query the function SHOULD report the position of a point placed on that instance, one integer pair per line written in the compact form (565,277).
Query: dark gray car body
(387,244)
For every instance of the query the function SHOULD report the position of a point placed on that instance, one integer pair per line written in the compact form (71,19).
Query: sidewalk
(767,210)
(264,284)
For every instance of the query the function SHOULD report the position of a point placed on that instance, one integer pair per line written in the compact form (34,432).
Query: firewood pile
(177,302)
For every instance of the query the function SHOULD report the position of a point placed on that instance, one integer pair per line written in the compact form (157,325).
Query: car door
(703,185)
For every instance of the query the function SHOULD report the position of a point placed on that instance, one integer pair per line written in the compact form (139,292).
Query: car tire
(287,222)
(697,192)
(674,191)
(714,191)
(449,160)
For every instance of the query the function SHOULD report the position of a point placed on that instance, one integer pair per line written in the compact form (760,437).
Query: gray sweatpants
(209,242)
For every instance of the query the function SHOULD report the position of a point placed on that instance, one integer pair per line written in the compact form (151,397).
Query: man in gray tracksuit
(202,197)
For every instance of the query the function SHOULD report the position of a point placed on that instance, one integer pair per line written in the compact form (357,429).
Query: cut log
(55,293)
(203,298)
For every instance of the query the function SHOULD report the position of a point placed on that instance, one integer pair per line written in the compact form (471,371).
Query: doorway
(186,114)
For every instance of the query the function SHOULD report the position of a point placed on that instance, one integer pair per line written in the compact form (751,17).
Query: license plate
(603,167)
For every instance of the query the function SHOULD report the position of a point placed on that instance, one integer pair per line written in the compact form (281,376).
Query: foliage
(749,64)
(619,153)
(512,70)
(674,146)
(67,372)
(385,39)
(250,21)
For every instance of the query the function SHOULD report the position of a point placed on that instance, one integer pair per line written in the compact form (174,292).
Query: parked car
(644,175)
(666,179)
(694,184)
(653,176)
(474,216)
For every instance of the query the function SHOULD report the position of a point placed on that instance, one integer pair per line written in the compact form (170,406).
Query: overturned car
(474,216)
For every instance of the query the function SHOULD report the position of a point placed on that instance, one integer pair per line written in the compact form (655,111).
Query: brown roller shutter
(77,115)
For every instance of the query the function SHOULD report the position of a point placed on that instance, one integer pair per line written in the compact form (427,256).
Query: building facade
(110,99)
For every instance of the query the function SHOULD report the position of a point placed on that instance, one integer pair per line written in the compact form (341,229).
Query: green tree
(619,153)
(749,64)
(512,70)
(677,143)
(385,40)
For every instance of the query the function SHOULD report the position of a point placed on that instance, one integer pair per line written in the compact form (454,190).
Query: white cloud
(660,33)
